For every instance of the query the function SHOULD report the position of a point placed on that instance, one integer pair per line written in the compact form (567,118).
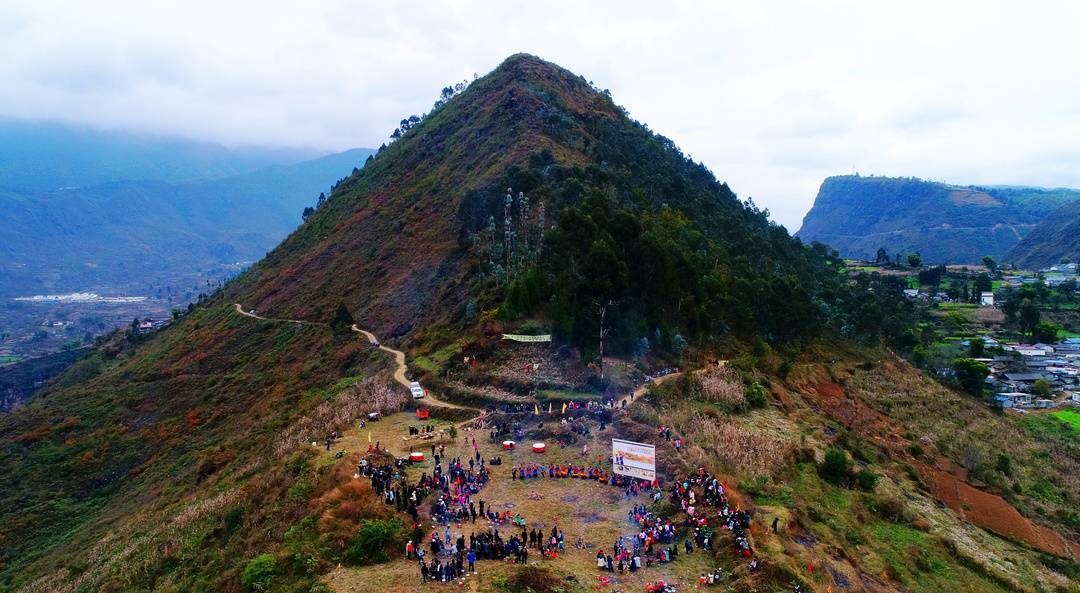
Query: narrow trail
(644,387)
(400,370)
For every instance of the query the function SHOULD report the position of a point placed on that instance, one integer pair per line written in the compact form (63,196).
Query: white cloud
(772,96)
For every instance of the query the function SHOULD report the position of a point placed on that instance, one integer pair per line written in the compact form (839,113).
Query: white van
(417,391)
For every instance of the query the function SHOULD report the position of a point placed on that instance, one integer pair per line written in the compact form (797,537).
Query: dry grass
(369,395)
(736,446)
(126,561)
(344,507)
(486,392)
(723,385)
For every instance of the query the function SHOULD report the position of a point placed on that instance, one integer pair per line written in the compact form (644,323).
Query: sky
(772,96)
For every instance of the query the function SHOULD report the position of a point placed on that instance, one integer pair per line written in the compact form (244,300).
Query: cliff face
(946,224)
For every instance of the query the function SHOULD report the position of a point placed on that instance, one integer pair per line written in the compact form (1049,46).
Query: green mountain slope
(136,433)
(945,223)
(407,233)
(171,461)
(1057,237)
(126,235)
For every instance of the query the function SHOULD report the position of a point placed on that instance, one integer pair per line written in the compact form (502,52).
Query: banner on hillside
(637,460)
(521,338)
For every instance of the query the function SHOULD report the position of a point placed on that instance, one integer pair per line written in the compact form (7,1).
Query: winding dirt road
(399,372)
(400,368)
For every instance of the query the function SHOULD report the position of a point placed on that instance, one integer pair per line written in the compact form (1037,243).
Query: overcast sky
(773,97)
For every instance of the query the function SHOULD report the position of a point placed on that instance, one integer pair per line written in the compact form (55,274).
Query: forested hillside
(619,210)
(944,223)
(192,459)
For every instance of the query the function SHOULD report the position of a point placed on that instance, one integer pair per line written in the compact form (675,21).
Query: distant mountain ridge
(47,156)
(945,223)
(1057,237)
(120,232)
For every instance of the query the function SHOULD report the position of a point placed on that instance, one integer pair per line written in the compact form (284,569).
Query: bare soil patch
(994,513)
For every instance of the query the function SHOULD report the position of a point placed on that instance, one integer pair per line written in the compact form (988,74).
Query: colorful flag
(369,436)
(564,408)
(536,409)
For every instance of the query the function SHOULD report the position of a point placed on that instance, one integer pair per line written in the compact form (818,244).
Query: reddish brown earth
(992,512)
(984,509)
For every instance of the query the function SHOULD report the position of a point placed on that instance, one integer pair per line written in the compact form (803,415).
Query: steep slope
(170,462)
(945,223)
(18,381)
(126,235)
(149,439)
(45,156)
(1057,237)
(406,233)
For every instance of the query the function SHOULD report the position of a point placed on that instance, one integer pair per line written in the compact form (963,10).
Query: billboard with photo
(637,460)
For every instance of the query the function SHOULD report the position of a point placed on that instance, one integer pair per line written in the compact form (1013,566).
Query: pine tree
(491,244)
(343,320)
(508,228)
(540,231)
(523,221)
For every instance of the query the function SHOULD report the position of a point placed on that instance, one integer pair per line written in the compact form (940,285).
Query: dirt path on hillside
(644,387)
(240,310)
(400,368)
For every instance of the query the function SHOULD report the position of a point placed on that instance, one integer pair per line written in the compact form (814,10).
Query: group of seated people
(537,470)
(505,518)
(711,578)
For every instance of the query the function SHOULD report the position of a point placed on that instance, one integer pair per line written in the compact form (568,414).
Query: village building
(1012,400)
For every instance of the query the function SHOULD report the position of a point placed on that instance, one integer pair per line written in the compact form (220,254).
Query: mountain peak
(532,68)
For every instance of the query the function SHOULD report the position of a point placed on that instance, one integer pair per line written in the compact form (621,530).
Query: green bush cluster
(259,573)
(373,541)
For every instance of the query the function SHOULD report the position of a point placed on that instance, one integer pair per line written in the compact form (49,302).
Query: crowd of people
(452,558)
(655,543)
(632,486)
(456,488)
(711,578)
(660,373)
(419,430)
(454,485)
(388,482)
(684,493)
